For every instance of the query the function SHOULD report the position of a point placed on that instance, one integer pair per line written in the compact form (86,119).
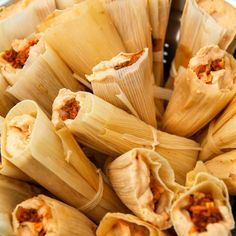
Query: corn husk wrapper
(193,102)
(203,23)
(84,48)
(130,87)
(12,192)
(20,19)
(137,177)
(42,76)
(220,135)
(63,4)
(57,218)
(112,131)
(126,224)
(204,183)
(41,157)
(6,167)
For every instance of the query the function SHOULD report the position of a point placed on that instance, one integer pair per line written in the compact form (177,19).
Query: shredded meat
(129,62)
(204,71)
(202,211)
(69,110)
(156,190)
(30,215)
(18,59)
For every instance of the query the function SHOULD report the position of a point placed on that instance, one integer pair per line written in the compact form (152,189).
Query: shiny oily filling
(129,62)
(17,59)
(69,110)
(202,211)
(31,216)
(122,227)
(204,71)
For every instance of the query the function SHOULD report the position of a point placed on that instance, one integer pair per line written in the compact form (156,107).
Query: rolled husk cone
(201,91)
(220,135)
(203,23)
(204,209)
(127,14)
(84,48)
(19,20)
(110,130)
(223,167)
(42,74)
(126,82)
(42,215)
(126,224)
(6,167)
(145,182)
(12,192)
(30,142)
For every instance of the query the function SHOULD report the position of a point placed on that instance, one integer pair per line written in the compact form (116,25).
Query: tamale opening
(69,110)
(34,220)
(19,130)
(122,227)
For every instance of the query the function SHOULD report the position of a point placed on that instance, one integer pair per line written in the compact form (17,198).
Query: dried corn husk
(62,4)
(203,23)
(43,154)
(127,14)
(145,182)
(6,100)
(55,218)
(204,184)
(223,167)
(126,82)
(12,192)
(194,102)
(110,130)
(84,48)
(125,224)
(42,75)
(20,19)
(220,135)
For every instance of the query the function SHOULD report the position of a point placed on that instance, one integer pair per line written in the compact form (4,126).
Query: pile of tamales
(93,142)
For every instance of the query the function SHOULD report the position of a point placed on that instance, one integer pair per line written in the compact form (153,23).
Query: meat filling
(31,215)
(18,58)
(129,62)
(203,211)
(69,110)
(204,71)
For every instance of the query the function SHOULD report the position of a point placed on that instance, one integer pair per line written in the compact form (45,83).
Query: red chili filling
(130,62)
(69,110)
(204,71)
(18,59)
(29,215)
(202,211)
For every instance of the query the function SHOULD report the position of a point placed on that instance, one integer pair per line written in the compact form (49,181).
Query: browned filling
(129,62)
(202,211)
(204,71)
(30,215)
(156,190)
(69,110)
(18,59)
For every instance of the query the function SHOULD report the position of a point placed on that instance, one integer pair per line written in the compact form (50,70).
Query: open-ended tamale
(34,71)
(220,136)
(204,209)
(110,130)
(145,182)
(204,22)
(86,33)
(12,192)
(6,167)
(201,91)
(126,82)
(114,224)
(20,19)
(42,215)
(30,142)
